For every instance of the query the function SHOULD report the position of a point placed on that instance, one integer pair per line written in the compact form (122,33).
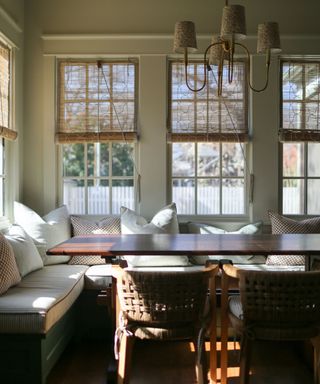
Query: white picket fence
(98,199)
(208,199)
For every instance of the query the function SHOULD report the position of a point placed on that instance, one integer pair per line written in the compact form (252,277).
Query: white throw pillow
(248,229)
(46,231)
(26,253)
(164,221)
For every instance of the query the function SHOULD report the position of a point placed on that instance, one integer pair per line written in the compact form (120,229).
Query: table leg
(112,369)
(224,329)
(213,333)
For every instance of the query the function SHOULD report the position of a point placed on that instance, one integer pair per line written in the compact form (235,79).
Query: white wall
(144,29)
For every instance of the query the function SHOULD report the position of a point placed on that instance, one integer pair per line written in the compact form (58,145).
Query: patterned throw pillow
(280,225)
(9,272)
(80,226)
(108,225)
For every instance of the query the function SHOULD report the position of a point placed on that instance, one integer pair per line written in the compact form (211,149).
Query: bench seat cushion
(271,267)
(40,299)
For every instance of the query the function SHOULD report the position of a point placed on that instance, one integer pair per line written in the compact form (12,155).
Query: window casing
(97,129)
(6,119)
(300,136)
(207,137)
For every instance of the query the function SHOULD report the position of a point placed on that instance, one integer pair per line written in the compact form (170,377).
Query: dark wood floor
(172,363)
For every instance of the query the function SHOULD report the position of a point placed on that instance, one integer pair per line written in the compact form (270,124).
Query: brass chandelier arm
(205,67)
(249,69)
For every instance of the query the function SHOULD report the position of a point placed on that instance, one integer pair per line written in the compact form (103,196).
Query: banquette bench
(56,297)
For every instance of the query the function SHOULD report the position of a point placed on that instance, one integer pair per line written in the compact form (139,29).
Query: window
(98,177)
(2,176)
(207,136)
(300,134)
(97,129)
(6,125)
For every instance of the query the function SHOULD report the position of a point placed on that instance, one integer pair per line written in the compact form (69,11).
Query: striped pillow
(281,224)
(9,272)
(81,226)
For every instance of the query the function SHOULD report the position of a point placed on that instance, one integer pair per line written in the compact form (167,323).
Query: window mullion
(220,177)
(110,178)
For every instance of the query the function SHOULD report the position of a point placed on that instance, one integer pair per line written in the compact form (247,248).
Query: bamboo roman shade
(97,101)
(5,129)
(300,101)
(203,116)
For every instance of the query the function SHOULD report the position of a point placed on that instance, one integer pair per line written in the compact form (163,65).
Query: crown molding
(5,15)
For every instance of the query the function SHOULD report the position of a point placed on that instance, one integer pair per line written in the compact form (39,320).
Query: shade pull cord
(100,68)
(251,188)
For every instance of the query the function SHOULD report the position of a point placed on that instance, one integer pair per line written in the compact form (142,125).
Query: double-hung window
(300,137)
(207,134)
(97,130)
(6,121)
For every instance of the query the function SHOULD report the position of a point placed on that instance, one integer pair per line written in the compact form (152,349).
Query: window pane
(312,77)
(312,112)
(179,89)
(232,160)
(292,81)
(291,116)
(208,197)
(313,197)
(183,159)
(183,194)
(74,196)
(314,159)
(208,159)
(233,196)
(73,160)
(293,159)
(2,156)
(75,117)
(183,118)
(122,195)
(1,196)
(74,82)
(123,81)
(293,196)
(98,196)
(122,155)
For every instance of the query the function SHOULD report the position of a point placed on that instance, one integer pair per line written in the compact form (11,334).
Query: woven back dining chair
(272,306)
(166,305)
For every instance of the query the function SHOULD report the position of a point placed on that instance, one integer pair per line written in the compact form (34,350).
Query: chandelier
(222,47)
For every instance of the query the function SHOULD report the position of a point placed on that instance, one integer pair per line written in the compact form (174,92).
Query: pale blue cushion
(248,229)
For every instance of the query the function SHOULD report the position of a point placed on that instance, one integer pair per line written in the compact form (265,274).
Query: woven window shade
(202,116)
(300,102)
(5,129)
(96,104)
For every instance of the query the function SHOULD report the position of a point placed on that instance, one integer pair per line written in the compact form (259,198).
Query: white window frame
(245,148)
(305,177)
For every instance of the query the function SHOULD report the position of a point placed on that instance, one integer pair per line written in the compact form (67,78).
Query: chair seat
(268,332)
(151,333)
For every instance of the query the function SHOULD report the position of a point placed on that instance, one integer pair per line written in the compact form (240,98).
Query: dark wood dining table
(111,246)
